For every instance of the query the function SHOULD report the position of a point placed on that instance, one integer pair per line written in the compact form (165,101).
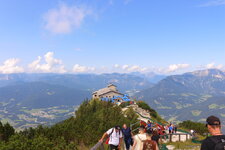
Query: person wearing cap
(217,140)
(115,138)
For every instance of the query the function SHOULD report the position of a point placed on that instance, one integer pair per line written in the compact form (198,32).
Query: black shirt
(156,138)
(126,133)
(208,144)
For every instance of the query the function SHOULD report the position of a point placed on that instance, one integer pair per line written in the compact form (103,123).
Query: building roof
(111,85)
(110,92)
(106,90)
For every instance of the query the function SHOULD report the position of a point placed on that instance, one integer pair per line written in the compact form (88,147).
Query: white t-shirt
(139,138)
(114,139)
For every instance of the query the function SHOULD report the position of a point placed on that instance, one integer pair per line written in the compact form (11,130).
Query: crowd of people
(148,137)
(168,129)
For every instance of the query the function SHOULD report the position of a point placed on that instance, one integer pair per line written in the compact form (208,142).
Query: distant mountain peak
(209,72)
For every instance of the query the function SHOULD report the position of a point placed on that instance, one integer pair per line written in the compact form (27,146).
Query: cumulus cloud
(64,19)
(82,69)
(10,66)
(117,66)
(51,65)
(211,65)
(213,3)
(176,67)
(214,66)
(173,68)
(129,68)
(125,67)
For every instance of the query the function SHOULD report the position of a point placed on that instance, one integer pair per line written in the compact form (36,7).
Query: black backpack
(220,143)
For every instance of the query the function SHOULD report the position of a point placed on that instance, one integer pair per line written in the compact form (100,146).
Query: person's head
(117,128)
(148,136)
(213,124)
(142,129)
(155,132)
(124,126)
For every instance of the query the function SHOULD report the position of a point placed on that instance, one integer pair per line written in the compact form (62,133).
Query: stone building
(109,92)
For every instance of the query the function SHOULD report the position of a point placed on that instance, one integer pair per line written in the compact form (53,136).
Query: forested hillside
(92,119)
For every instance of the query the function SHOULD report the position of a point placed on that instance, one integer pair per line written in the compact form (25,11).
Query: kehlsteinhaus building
(109,92)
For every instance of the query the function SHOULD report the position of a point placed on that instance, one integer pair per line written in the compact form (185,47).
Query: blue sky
(81,36)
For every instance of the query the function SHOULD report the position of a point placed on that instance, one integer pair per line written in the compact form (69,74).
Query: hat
(117,127)
(212,120)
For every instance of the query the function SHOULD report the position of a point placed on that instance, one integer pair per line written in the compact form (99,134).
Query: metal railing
(99,145)
(170,136)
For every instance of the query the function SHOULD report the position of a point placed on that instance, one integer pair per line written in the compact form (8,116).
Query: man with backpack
(217,140)
(114,138)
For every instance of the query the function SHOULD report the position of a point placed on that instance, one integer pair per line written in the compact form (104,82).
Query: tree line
(196,126)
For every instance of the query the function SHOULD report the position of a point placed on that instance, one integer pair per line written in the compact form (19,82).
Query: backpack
(220,143)
(149,145)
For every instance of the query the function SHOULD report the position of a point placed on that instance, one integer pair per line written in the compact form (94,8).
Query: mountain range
(32,99)
(190,96)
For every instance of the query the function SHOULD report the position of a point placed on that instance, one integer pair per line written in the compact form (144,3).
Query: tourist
(155,136)
(127,136)
(192,132)
(171,129)
(114,138)
(149,127)
(175,129)
(149,144)
(217,140)
(139,139)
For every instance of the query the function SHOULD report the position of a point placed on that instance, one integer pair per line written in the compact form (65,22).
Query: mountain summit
(209,73)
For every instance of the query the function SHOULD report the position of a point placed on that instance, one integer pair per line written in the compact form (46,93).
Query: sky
(104,36)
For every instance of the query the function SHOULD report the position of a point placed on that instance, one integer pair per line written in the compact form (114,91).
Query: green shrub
(196,126)
(124,104)
(155,116)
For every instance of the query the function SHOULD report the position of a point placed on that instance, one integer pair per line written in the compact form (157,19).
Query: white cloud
(64,19)
(213,3)
(125,67)
(173,68)
(51,65)
(133,68)
(176,67)
(10,66)
(117,66)
(82,69)
(213,65)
